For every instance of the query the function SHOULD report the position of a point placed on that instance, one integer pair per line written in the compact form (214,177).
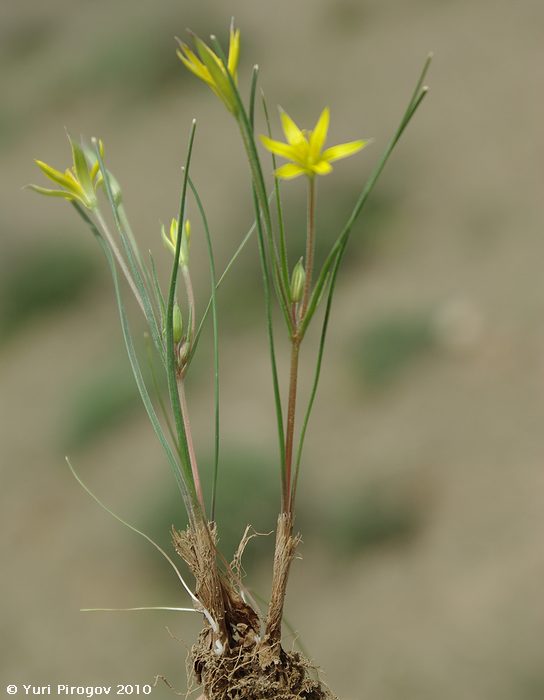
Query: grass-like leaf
(260,201)
(170,357)
(338,249)
(284,261)
(134,529)
(230,263)
(133,258)
(213,277)
(330,268)
(135,365)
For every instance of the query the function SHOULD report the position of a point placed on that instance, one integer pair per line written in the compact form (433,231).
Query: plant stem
(310,246)
(296,340)
(190,444)
(115,250)
(290,430)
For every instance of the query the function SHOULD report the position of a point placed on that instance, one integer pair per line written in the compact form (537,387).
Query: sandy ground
(456,613)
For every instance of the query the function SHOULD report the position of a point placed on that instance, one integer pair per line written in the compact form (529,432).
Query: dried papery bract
(239,653)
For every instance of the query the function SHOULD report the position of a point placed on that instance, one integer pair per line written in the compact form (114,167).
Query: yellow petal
(193,63)
(220,81)
(81,169)
(167,242)
(234,51)
(174,232)
(343,150)
(51,193)
(278,147)
(292,133)
(322,167)
(319,134)
(55,175)
(94,170)
(289,171)
(73,183)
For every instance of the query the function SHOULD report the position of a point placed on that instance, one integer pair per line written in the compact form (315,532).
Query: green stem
(171,359)
(310,246)
(290,430)
(190,444)
(270,333)
(115,250)
(263,209)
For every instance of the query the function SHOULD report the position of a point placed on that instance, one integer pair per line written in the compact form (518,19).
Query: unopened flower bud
(185,244)
(298,278)
(183,353)
(171,239)
(177,323)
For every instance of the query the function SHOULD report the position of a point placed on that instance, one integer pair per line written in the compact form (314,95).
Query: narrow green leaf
(170,357)
(260,202)
(332,264)
(284,259)
(341,242)
(231,262)
(135,364)
(157,389)
(271,345)
(252,95)
(245,123)
(213,277)
(159,298)
(131,527)
(132,259)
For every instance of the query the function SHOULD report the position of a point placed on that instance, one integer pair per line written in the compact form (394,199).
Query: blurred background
(422,491)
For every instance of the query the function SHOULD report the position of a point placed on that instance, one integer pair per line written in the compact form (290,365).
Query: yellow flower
(305,149)
(170,240)
(209,67)
(78,183)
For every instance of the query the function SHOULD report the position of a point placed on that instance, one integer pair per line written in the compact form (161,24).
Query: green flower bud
(298,278)
(178,323)
(185,244)
(171,239)
(183,353)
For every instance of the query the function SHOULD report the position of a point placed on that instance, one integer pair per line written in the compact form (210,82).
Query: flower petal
(220,81)
(53,174)
(319,134)
(322,167)
(94,170)
(167,242)
(343,150)
(174,232)
(193,63)
(83,176)
(51,193)
(292,133)
(234,51)
(278,147)
(289,171)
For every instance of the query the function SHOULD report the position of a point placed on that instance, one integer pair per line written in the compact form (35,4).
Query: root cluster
(254,673)
(239,656)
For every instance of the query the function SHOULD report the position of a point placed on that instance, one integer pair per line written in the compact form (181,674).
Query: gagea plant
(239,653)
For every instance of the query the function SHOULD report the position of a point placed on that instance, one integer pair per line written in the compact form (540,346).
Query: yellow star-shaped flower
(210,69)
(78,183)
(305,148)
